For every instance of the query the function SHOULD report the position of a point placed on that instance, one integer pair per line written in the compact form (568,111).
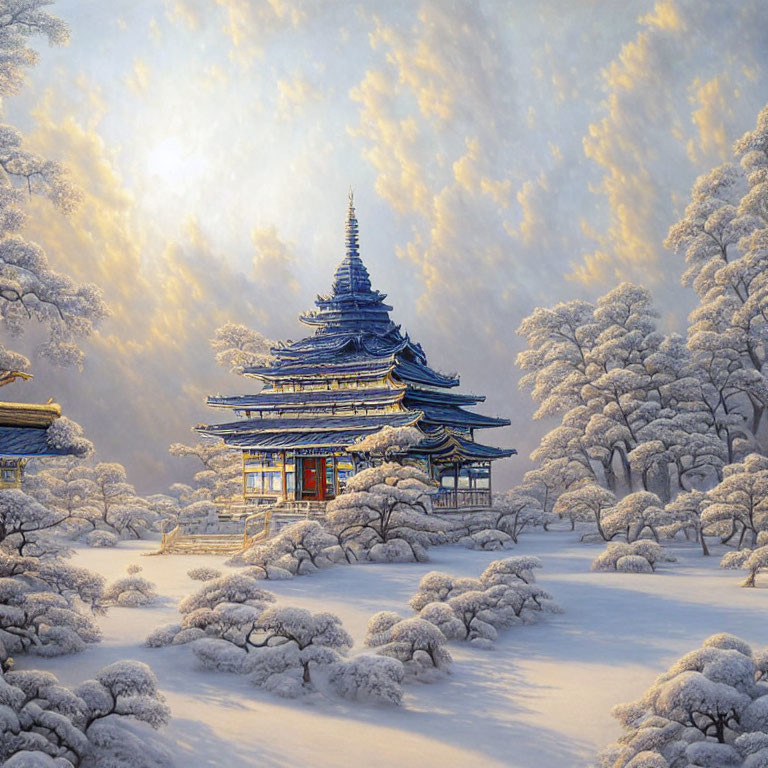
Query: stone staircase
(205,544)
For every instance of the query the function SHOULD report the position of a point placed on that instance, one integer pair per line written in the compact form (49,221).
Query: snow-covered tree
(518,509)
(388,443)
(723,238)
(619,556)
(101,722)
(27,526)
(753,561)
(31,290)
(708,709)
(632,404)
(419,645)
(739,504)
(92,497)
(382,514)
(475,609)
(635,514)
(685,513)
(238,347)
(220,476)
(587,503)
(297,550)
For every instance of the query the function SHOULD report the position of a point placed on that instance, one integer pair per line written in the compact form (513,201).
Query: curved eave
(358,369)
(335,424)
(458,417)
(270,400)
(423,374)
(450,447)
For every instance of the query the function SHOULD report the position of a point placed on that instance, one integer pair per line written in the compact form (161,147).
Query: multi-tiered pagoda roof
(357,373)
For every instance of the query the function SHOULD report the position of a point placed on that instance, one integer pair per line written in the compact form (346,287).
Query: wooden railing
(167,539)
(263,534)
(461,498)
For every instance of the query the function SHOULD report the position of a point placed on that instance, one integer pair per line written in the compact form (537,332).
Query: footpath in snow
(540,699)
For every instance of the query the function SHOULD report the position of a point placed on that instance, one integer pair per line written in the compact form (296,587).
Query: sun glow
(173,162)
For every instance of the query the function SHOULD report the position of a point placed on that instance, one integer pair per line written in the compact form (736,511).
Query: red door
(313,479)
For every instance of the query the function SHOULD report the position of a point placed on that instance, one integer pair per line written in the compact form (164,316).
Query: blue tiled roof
(452,447)
(273,400)
(418,397)
(285,440)
(27,441)
(308,424)
(360,368)
(452,416)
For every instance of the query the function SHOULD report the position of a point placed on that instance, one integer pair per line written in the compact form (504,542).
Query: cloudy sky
(504,154)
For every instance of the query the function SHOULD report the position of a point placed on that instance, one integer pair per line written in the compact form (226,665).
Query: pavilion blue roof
(447,446)
(452,416)
(419,397)
(357,367)
(27,441)
(273,400)
(318,424)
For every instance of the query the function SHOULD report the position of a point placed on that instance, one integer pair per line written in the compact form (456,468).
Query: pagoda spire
(351,228)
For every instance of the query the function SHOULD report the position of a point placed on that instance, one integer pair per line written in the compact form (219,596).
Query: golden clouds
(294,94)
(138,79)
(670,105)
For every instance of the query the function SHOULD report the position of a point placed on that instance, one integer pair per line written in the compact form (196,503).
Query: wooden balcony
(476,498)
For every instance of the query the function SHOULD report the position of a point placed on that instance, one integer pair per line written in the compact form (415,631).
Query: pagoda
(356,374)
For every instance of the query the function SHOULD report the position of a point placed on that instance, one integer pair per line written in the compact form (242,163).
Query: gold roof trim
(28,414)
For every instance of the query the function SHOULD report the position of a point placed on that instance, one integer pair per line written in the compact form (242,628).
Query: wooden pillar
(284,475)
(456,485)
(244,487)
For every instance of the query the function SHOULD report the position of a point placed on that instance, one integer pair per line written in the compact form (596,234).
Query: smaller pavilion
(23,434)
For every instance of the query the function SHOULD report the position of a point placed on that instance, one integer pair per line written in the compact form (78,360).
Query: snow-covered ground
(540,699)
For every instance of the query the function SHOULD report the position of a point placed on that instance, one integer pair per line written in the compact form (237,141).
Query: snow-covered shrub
(368,678)
(633,564)
(299,549)
(101,538)
(203,573)
(735,559)
(619,556)
(709,709)
(276,647)
(382,515)
(418,644)
(130,591)
(46,725)
(488,539)
(162,636)
(474,609)
(133,569)
(231,627)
